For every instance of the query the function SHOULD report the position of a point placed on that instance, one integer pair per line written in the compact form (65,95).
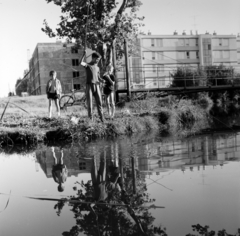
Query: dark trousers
(93,90)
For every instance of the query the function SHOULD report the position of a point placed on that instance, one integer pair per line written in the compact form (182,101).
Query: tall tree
(98,24)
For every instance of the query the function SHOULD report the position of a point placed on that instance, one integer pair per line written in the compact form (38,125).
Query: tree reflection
(124,213)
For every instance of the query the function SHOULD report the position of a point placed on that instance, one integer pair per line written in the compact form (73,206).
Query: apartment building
(158,55)
(151,65)
(61,57)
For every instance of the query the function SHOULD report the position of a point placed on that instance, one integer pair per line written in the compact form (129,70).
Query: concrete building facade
(158,55)
(59,57)
(155,58)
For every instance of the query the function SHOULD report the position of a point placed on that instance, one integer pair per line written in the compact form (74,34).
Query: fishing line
(79,202)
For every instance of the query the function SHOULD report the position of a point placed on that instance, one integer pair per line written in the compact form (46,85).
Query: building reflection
(151,155)
(75,165)
(191,153)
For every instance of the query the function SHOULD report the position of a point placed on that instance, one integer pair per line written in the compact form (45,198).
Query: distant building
(158,55)
(154,59)
(63,58)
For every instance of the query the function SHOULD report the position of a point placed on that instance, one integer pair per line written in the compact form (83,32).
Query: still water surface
(196,179)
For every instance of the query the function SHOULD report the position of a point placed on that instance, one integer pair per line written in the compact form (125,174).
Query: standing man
(53,91)
(92,84)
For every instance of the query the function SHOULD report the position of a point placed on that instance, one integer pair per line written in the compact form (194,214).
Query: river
(196,180)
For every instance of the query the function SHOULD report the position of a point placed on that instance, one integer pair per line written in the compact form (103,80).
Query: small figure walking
(53,91)
(92,84)
(59,171)
(108,90)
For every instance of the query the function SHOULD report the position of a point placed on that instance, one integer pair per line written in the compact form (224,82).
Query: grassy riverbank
(25,121)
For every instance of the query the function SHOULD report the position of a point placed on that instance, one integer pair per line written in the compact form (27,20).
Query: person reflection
(104,183)
(59,170)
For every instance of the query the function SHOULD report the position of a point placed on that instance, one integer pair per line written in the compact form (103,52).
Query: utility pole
(127,70)
(114,65)
(133,174)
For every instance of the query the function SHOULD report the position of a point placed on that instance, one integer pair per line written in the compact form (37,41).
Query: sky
(21,22)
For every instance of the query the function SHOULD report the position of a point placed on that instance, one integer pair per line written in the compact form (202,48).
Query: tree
(21,86)
(115,219)
(98,24)
(187,76)
(219,75)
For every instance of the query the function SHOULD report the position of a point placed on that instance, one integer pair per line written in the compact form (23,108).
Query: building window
(153,55)
(154,68)
(75,74)
(152,43)
(209,46)
(82,166)
(159,42)
(220,42)
(221,54)
(75,62)
(238,55)
(180,42)
(74,50)
(160,55)
(197,54)
(77,86)
(225,54)
(225,42)
(196,42)
(146,42)
(187,55)
(186,42)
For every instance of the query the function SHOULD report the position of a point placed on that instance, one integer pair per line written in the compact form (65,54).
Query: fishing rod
(74,201)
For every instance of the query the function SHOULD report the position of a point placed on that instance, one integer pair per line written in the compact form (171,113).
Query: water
(195,179)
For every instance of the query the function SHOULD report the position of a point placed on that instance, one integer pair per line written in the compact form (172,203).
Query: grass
(33,105)
(168,114)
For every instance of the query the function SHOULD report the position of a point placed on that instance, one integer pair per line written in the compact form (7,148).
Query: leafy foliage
(207,76)
(113,220)
(97,23)
(219,75)
(204,230)
(21,86)
(186,76)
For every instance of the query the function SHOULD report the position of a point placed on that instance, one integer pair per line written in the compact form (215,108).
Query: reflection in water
(119,169)
(103,181)
(59,170)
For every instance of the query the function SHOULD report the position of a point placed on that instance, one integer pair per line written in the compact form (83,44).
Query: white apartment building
(158,55)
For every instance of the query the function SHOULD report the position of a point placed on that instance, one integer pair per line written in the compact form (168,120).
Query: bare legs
(50,107)
(111,104)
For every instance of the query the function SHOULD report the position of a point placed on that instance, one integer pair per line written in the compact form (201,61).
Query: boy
(59,171)
(92,84)
(53,91)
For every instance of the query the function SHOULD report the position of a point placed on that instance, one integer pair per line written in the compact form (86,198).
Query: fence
(158,77)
